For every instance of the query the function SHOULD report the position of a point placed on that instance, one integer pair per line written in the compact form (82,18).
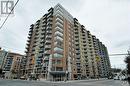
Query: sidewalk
(87,80)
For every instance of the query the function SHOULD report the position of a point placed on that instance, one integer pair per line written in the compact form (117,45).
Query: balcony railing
(47,52)
(59,24)
(59,20)
(59,29)
(60,16)
(48,42)
(47,46)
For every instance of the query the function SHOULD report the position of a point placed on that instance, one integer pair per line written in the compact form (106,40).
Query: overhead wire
(9,14)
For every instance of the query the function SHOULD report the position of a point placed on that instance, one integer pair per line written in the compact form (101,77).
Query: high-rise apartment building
(60,48)
(85,55)
(104,62)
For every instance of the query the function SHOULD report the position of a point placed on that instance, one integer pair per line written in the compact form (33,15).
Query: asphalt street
(72,83)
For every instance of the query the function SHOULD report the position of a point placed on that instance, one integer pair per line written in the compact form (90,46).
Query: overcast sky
(109,20)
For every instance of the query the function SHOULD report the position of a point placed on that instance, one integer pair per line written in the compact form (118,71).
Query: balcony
(48,42)
(28,44)
(59,35)
(48,32)
(44,21)
(76,23)
(58,38)
(36,34)
(48,37)
(30,33)
(60,16)
(78,61)
(47,47)
(59,29)
(50,10)
(77,51)
(47,52)
(26,51)
(56,55)
(78,67)
(38,60)
(77,39)
(44,16)
(44,25)
(36,30)
(59,24)
(42,38)
(33,49)
(37,25)
(38,21)
(76,20)
(50,15)
(36,38)
(58,51)
(32,54)
(59,12)
(49,24)
(50,19)
(32,25)
(45,64)
(28,41)
(77,56)
(42,42)
(29,37)
(34,45)
(59,20)
(83,41)
(46,58)
(27,48)
(43,33)
(88,32)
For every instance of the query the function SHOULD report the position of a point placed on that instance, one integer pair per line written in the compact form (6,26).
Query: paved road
(103,83)
(79,83)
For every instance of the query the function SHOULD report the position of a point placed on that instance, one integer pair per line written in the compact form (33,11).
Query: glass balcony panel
(59,29)
(58,38)
(56,55)
(60,16)
(59,12)
(59,20)
(58,49)
(59,24)
(57,33)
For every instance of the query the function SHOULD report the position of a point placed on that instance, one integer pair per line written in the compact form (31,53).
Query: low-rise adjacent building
(3,54)
(10,63)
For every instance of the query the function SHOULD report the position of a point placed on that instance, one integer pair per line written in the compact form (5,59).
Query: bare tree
(127,60)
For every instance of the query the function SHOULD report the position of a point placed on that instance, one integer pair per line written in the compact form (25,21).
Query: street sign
(97,58)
